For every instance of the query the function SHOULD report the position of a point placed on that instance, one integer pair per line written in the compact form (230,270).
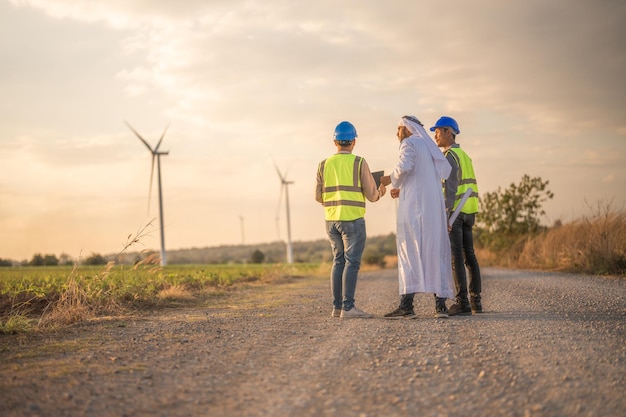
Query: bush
(374,259)
(95,259)
(507,215)
(257,257)
(516,209)
(595,244)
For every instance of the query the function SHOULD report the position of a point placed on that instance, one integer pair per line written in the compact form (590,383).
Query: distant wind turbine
(243,236)
(156,154)
(284,185)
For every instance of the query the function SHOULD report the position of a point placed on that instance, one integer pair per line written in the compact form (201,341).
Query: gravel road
(548,344)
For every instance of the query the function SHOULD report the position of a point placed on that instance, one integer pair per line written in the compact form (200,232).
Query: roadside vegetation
(509,233)
(46,297)
(44,294)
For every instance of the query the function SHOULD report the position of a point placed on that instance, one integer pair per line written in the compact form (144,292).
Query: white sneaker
(355,313)
(336,312)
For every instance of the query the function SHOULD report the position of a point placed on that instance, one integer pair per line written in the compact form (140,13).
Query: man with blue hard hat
(461,179)
(344,181)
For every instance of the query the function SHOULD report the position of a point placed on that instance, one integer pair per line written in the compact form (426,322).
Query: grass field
(49,296)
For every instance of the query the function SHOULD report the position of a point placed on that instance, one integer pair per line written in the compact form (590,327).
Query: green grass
(42,296)
(16,323)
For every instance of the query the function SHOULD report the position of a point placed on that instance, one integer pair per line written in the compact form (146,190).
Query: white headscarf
(442,166)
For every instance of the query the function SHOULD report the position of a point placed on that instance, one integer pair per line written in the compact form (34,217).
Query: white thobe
(424,260)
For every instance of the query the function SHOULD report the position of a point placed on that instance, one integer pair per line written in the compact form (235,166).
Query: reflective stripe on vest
(467,179)
(342,196)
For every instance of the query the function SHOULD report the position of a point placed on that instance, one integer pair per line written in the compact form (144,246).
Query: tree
(257,257)
(47,260)
(50,260)
(95,259)
(37,260)
(65,259)
(515,210)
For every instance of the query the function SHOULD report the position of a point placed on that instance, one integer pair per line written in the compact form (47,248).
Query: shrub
(257,257)
(595,244)
(505,215)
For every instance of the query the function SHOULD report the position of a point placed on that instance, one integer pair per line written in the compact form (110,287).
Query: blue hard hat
(445,121)
(345,131)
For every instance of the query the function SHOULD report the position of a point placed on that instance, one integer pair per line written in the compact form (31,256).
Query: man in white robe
(424,260)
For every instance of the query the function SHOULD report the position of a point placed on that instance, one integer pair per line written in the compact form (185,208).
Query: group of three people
(431,253)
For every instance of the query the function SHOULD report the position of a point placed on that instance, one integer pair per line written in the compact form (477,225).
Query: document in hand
(377,176)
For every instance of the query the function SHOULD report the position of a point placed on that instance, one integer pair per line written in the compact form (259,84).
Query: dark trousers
(462,246)
(406,301)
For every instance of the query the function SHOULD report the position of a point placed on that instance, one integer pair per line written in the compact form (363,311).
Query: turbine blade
(286,173)
(139,136)
(150,189)
(282,179)
(161,140)
(280,200)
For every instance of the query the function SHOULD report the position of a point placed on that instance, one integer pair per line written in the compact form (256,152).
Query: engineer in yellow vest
(344,181)
(461,178)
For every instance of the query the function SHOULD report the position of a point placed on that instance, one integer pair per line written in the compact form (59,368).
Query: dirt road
(547,345)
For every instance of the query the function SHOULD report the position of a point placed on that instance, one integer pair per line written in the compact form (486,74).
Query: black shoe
(400,313)
(476,305)
(457,309)
(441,311)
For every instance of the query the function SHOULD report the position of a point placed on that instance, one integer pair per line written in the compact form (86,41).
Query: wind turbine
(284,185)
(243,239)
(156,154)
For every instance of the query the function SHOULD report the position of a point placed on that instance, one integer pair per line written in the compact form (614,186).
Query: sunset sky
(538,87)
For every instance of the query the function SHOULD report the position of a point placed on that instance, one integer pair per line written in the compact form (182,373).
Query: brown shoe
(459,310)
(476,305)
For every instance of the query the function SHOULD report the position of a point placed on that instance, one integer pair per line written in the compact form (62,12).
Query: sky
(537,88)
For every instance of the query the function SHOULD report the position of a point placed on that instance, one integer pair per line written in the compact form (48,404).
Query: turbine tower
(284,185)
(156,154)
(243,236)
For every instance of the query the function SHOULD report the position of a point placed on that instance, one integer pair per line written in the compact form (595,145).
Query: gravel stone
(548,344)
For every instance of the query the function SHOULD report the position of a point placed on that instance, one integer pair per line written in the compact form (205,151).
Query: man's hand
(395,192)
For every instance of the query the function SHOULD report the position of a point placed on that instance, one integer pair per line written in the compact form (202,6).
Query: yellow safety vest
(467,179)
(342,195)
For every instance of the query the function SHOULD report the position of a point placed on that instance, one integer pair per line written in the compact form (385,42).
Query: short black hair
(345,142)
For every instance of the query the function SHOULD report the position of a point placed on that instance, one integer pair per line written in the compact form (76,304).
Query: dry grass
(80,300)
(20,308)
(486,257)
(83,297)
(175,293)
(595,244)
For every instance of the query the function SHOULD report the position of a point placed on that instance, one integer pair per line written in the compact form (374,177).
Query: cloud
(242,81)
(483,54)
